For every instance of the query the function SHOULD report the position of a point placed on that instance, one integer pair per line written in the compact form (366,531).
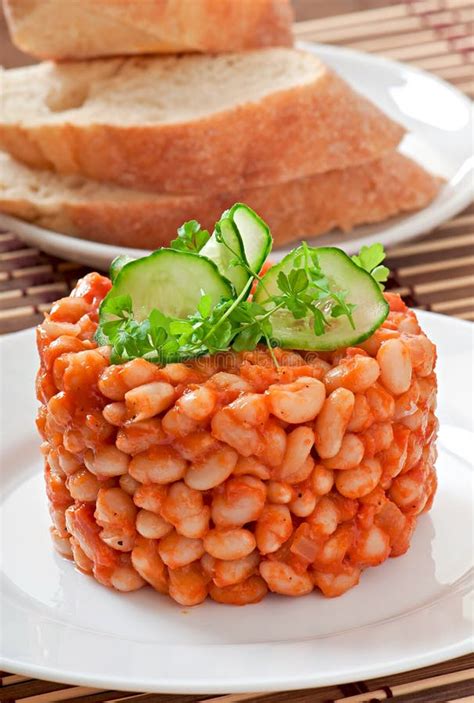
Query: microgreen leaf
(298,280)
(190,237)
(319,322)
(380,273)
(205,306)
(180,327)
(120,305)
(369,258)
(283,282)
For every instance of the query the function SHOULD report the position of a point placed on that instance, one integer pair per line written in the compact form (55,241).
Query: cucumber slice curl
(241,235)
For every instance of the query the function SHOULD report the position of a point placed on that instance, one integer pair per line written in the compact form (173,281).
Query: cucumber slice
(219,253)
(117,264)
(255,235)
(343,274)
(171,281)
(247,235)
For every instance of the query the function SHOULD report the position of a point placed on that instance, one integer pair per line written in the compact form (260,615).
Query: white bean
(250,466)
(148,400)
(68,462)
(395,366)
(252,590)
(356,373)
(281,578)
(150,497)
(297,402)
(128,484)
(61,544)
(332,421)
(196,445)
(198,404)
(422,354)
(177,550)
(224,381)
(360,481)
(177,424)
(273,528)
(303,503)
(333,585)
(362,416)
(325,517)
(188,585)
(126,579)
(115,508)
(151,525)
(116,538)
(298,447)
(227,428)
(373,546)
(273,447)
(211,471)
(139,436)
(229,544)
(115,413)
(279,492)
(161,464)
(238,501)
(106,461)
(226,573)
(84,486)
(250,408)
(349,455)
(322,480)
(147,562)
(184,508)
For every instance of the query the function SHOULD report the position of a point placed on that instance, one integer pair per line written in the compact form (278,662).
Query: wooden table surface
(434,272)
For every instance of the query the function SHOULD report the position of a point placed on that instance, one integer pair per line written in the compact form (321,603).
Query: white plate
(410,612)
(438,116)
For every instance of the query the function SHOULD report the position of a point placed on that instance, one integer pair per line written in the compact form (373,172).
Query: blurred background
(304,9)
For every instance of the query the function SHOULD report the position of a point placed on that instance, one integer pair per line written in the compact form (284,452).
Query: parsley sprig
(239,323)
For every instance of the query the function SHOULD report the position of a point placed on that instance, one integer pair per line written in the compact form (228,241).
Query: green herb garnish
(305,293)
(369,258)
(190,237)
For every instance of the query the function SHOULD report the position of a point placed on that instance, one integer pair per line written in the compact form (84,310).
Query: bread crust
(311,128)
(306,207)
(79,29)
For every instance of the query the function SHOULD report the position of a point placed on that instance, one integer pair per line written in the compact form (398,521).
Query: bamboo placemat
(433,272)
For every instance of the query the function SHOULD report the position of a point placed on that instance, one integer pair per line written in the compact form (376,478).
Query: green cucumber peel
(117,265)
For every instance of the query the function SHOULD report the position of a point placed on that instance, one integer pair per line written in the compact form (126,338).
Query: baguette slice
(191,123)
(79,29)
(369,193)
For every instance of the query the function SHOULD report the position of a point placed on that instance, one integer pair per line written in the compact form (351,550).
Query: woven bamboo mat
(434,272)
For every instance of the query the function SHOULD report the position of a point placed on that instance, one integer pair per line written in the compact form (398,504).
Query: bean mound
(227,476)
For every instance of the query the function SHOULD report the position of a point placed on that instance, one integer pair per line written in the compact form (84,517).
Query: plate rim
(314,678)
(85,251)
(223,687)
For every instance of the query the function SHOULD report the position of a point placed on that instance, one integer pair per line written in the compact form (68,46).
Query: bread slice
(305,207)
(79,29)
(191,123)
